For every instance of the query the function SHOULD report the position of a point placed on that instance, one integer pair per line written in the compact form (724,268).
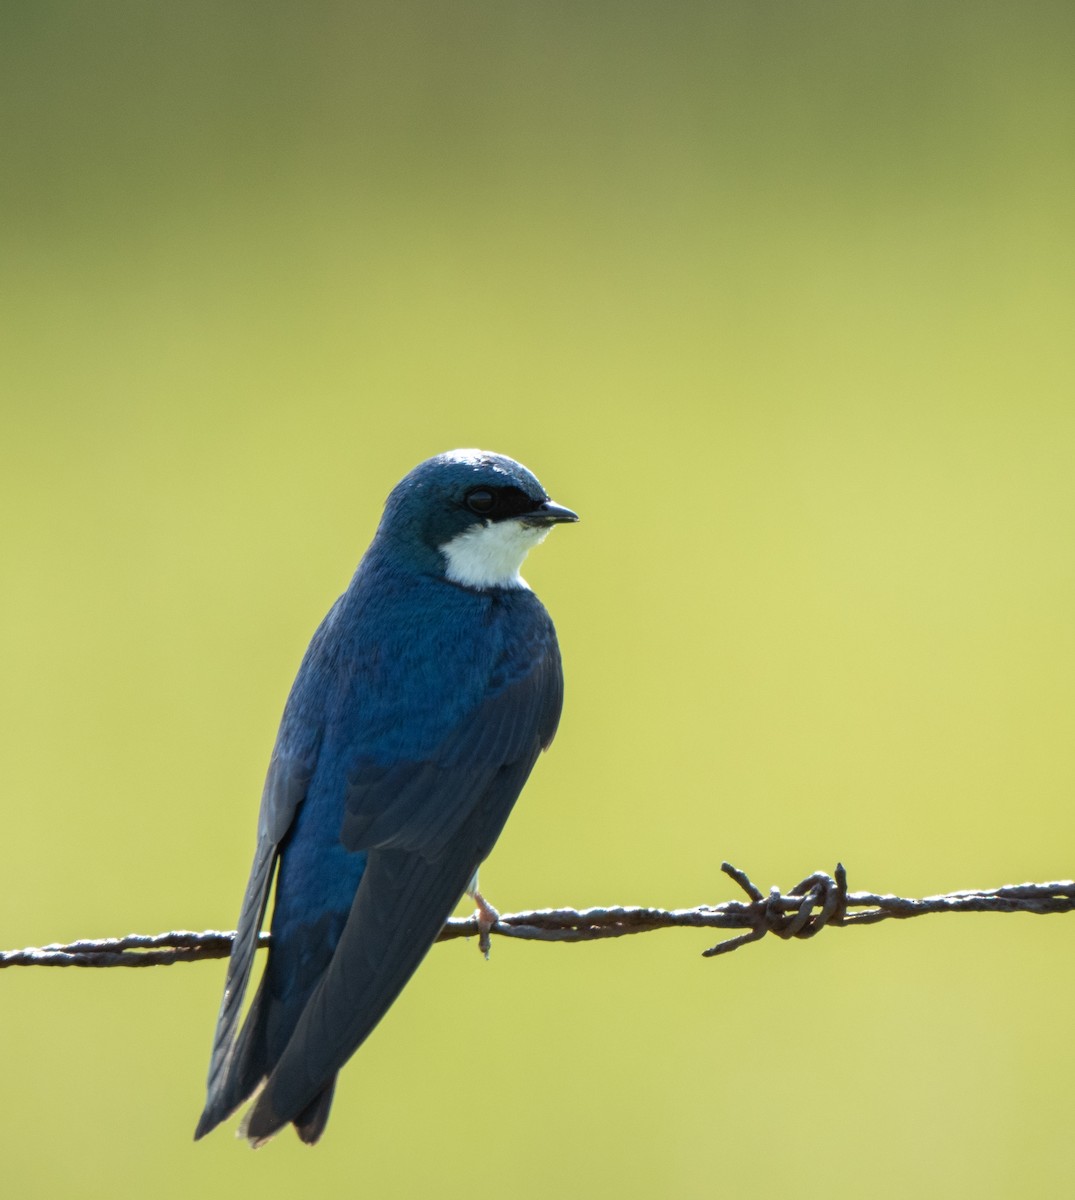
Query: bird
(417,714)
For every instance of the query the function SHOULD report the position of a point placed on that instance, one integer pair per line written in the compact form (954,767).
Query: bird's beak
(550,514)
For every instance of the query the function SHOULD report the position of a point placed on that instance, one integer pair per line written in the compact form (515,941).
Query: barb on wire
(815,902)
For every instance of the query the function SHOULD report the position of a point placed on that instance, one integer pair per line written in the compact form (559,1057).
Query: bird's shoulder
(399,661)
(413,689)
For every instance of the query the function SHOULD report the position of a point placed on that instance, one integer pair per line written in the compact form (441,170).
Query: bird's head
(469,515)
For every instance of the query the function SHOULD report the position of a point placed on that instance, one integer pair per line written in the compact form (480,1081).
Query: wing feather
(426,827)
(285,788)
(419,806)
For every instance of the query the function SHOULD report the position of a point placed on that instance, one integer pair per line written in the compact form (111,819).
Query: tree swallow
(417,714)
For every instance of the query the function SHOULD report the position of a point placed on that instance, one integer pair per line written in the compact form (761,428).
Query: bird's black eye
(481,500)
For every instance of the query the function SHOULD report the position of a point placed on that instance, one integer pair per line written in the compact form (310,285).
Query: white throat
(489,555)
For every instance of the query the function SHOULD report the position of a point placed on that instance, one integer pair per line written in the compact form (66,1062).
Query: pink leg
(487,918)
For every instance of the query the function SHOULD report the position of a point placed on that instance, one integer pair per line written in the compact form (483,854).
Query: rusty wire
(815,902)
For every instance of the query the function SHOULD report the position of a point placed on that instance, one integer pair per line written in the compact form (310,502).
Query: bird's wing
(419,806)
(426,827)
(285,789)
(294,756)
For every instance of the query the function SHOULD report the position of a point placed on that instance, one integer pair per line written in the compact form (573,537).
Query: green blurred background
(778,296)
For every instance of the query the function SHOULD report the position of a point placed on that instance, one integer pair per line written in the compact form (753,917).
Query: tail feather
(310,1123)
(400,908)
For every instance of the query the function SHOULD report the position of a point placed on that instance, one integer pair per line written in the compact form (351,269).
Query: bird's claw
(487,918)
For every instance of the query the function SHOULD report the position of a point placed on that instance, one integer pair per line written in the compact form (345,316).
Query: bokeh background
(778,296)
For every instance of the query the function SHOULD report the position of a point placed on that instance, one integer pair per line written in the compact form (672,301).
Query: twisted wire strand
(818,901)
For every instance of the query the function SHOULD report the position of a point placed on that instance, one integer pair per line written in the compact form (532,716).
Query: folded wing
(425,827)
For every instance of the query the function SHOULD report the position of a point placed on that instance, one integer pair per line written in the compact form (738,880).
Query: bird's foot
(487,918)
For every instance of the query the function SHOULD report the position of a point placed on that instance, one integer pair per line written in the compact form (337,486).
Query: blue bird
(417,714)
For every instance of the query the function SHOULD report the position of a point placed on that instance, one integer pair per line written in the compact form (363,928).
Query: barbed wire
(802,911)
